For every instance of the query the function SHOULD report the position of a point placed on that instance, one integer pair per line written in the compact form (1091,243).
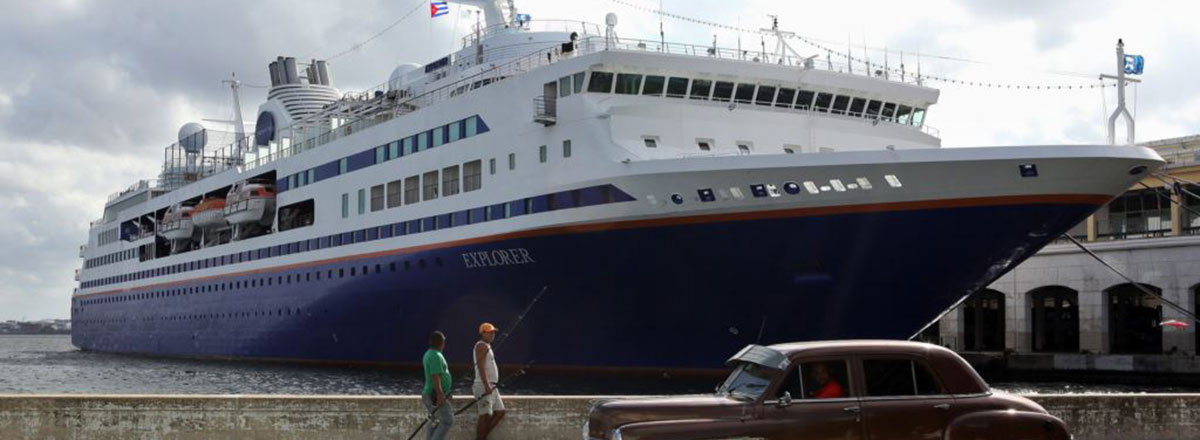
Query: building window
(492,166)
(567,148)
(430,180)
(394,192)
(512,161)
(472,175)
(345,205)
(542,154)
(362,201)
(450,180)
(412,190)
(376,198)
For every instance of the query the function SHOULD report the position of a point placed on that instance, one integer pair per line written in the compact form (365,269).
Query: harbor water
(44,364)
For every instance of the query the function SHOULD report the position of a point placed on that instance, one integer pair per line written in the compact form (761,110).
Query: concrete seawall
(104,417)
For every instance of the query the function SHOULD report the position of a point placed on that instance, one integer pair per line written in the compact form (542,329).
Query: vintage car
(847,390)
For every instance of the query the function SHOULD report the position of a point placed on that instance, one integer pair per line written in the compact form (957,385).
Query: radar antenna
(239,126)
(782,48)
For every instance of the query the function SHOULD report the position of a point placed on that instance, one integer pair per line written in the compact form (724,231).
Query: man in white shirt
(491,408)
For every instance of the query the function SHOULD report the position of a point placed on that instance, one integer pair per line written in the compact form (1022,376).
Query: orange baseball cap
(486,327)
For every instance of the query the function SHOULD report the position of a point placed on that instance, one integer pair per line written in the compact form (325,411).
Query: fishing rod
(500,340)
(432,418)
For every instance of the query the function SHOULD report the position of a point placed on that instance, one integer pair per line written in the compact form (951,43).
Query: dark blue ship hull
(678,293)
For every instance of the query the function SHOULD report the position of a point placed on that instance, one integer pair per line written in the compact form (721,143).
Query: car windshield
(748,380)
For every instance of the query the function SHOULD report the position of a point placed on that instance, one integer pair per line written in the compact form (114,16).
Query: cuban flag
(438,8)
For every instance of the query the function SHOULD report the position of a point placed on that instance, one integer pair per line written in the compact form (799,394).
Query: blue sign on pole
(1134,64)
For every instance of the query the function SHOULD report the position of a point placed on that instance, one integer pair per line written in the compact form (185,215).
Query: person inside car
(827,385)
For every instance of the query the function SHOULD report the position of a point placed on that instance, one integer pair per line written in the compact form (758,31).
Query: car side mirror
(785,400)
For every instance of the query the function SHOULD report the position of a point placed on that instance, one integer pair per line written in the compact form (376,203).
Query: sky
(92,91)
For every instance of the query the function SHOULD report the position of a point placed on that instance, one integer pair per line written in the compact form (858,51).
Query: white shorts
(489,404)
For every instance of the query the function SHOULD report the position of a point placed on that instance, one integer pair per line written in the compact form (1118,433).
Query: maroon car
(846,390)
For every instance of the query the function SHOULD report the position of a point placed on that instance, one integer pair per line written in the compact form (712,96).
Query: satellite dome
(396,80)
(610,19)
(193,137)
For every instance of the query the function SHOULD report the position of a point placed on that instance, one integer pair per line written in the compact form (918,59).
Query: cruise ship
(650,204)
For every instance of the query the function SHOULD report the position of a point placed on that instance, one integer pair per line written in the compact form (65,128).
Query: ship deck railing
(362,110)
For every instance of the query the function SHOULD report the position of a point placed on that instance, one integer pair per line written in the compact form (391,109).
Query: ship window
(439,136)
(381,154)
(889,110)
(856,106)
(430,180)
(472,128)
(651,142)
(822,102)
(873,107)
(567,148)
(811,188)
(578,79)
(837,185)
(393,150)
(512,161)
(903,114)
(704,144)
(564,87)
(602,82)
(628,83)
(789,149)
(745,93)
(918,117)
(472,175)
(542,154)
(312,175)
(412,190)
(766,95)
(785,97)
(450,180)
(345,205)
(701,88)
(343,165)
(377,198)
(654,85)
(423,141)
(492,166)
(864,183)
(407,145)
(455,132)
(892,180)
(677,87)
(394,191)
(722,91)
(744,147)
(839,104)
(362,201)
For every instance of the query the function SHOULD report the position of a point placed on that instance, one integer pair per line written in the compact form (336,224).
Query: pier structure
(1062,301)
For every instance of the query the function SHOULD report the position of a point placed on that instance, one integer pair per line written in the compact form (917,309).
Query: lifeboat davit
(250,203)
(177,223)
(209,213)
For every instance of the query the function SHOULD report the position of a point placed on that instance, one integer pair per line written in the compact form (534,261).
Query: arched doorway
(1054,319)
(983,321)
(1134,319)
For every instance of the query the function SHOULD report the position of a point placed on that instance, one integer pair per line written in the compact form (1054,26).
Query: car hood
(610,415)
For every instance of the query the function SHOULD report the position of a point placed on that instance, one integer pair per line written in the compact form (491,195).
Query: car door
(902,399)
(797,409)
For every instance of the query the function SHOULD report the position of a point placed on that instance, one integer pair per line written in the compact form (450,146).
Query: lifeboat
(209,213)
(177,223)
(250,204)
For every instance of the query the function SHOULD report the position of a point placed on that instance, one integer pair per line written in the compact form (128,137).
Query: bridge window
(804,99)
(785,97)
(918,117)
(766,95)
(578,80)
(723,91)
(677,87)
(701,88)
(889,112)
(823,101)
(602,82)
(654,85)
(840,104)
(902,116)
(628,83)
(856,106)
(564,87)
(745,93)
(873,108)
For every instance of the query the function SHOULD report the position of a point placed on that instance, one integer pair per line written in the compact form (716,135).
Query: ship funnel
(323,73)
(291,75)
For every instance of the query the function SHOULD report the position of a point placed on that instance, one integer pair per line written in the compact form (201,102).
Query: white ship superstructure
(634,179)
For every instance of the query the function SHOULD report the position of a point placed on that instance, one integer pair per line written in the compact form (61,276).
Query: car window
(817,380)
(898,377)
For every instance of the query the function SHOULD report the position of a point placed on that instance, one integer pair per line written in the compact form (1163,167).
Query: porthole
(677,199)
(791,188)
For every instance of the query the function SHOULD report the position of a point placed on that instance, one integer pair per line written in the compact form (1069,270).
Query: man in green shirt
(436,396)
